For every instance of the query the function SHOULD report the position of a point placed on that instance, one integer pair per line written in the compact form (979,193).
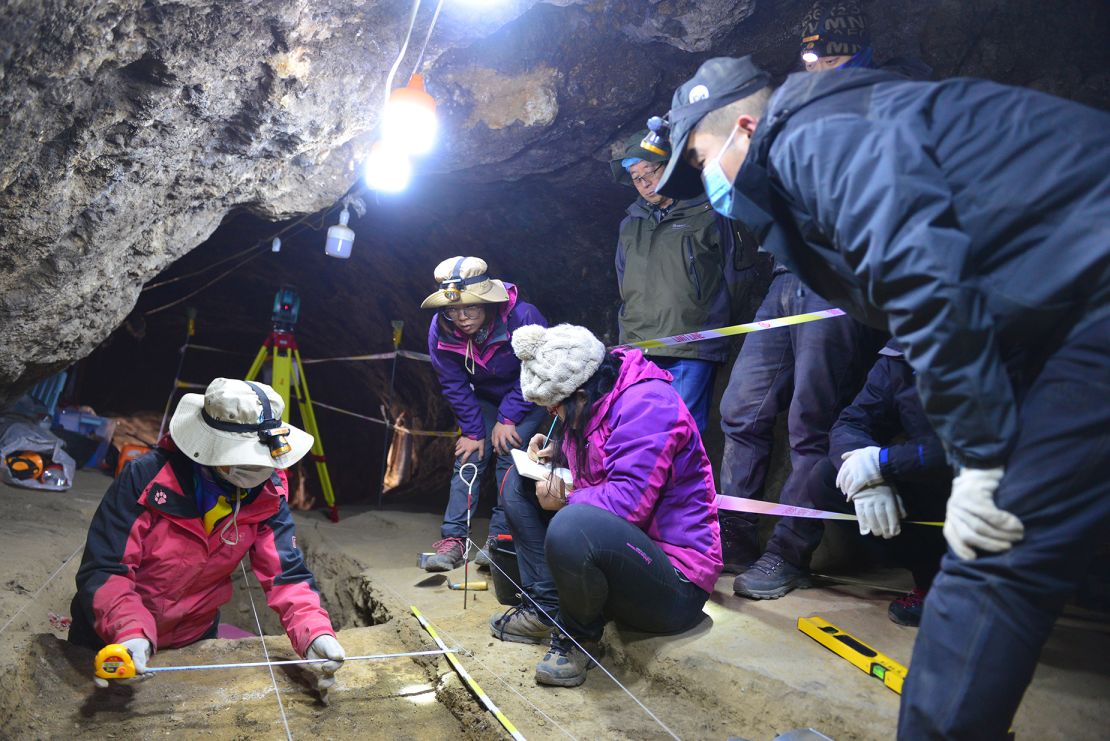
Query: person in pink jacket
(635,536)
(172,529)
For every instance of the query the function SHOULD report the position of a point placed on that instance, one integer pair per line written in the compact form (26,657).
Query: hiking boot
(564,664)
(907,609)
(739,548)
(770,577)
(448,555)
(482,559)
(520,624)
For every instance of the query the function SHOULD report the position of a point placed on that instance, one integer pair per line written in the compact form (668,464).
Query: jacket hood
(635,368)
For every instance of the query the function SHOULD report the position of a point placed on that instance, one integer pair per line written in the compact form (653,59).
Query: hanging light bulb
(387,168)
(275,246)
(410,118)
(340,237)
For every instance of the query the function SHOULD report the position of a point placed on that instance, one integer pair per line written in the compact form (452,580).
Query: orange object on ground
(129,452)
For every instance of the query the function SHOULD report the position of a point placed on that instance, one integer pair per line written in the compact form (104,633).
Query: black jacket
(971,219)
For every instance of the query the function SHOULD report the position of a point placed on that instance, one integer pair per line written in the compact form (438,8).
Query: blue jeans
(811,370)
(986,619)
(454,519)
(693,380)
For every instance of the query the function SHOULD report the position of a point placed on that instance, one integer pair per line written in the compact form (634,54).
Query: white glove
(325,647)
(879,511)
(860,470)
(973,521)
(139,648)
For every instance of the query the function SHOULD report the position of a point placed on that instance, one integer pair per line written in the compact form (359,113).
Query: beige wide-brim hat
(231,402)
(462,281)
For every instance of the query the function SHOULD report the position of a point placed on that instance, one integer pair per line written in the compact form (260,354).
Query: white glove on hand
(879,511)
(139,649)
(325,647)
(973,520)
(860,470)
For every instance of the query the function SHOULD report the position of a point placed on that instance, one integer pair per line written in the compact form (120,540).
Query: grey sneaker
(520,624)
(448,555)
(770,577)
(564,664)
(482,559)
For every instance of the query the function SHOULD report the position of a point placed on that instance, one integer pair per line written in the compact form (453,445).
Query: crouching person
(635,537)
(174,526)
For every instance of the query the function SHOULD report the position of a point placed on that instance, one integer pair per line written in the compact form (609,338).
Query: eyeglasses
(645,180)
(455,312)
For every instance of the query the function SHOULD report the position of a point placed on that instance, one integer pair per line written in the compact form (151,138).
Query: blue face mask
(718,187)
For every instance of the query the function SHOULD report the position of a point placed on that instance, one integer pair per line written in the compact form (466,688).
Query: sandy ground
(745,672)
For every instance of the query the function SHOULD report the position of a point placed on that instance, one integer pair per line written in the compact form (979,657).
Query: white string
(39,590)
(564,631)
(401,53)
(266,651)
(466,550)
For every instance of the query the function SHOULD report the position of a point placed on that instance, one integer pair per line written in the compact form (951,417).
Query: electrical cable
(427,38)
(215,280)
(401,53)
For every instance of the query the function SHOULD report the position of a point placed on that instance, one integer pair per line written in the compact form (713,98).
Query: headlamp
(656,140)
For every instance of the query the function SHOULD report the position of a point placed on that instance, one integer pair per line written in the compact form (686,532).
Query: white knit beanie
(555,361)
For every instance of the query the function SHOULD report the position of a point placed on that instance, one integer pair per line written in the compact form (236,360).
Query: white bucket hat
(237,423)
(463,280)
(556,361)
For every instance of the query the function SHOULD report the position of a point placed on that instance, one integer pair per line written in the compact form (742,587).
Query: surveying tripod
(288,372)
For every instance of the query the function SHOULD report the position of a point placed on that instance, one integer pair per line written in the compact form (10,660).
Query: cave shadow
(435,580)
(641,648)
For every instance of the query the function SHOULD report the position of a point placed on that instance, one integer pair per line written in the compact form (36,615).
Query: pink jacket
(150,570)
(646,463)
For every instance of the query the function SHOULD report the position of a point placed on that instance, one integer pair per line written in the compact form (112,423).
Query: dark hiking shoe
(564,664)
(520,625)
(770,578)
(448,555)
(907,609)
(739,548)
(482,559)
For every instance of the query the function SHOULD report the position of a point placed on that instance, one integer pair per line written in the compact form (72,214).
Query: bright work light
(387,168)
(410,118)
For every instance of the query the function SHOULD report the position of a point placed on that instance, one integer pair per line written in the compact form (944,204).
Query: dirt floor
(745,672)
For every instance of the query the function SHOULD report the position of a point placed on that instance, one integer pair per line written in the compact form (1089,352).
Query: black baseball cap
(718,82)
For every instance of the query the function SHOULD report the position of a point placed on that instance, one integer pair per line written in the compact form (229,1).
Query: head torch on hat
(640,146)
(834,29)
(271,431)
(465,280)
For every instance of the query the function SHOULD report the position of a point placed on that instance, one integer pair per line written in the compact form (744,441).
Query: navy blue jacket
(969,218)
(888,414)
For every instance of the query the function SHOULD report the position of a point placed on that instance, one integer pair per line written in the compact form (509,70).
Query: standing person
(174,526)
(680,268)
(635,537)
(810,370)
(891,465)
(959,214)
(469,343)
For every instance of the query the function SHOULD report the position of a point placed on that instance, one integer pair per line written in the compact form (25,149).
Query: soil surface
(745,672)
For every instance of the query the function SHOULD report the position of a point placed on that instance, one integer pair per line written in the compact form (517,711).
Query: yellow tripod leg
(256,366)
(304,401)
(282,375)
(855,651)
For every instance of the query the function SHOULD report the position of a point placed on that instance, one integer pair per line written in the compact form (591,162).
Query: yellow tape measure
(855,651)
(114,662)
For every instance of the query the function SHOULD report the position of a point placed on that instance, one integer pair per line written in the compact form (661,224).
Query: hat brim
(680,179)
(496,295)
(211,447)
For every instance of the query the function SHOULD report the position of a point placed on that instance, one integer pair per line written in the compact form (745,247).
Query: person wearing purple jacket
(635,535)
(468,341)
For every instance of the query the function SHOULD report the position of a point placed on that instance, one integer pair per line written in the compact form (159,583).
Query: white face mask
(245,477)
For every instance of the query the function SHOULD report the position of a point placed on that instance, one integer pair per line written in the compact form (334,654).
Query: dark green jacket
(686,270)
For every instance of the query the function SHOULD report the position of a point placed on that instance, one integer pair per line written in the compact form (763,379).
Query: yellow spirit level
(855,651)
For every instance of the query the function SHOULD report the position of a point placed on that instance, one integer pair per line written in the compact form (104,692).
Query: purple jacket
(496,376)
(646,463)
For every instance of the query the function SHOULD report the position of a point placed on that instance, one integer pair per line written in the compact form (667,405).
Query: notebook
(530,469)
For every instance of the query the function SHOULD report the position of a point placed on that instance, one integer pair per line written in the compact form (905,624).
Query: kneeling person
(635,538)
(174,526)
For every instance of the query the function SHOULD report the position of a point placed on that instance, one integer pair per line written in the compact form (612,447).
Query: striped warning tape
(757,507)
(469,680)
(710,334)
